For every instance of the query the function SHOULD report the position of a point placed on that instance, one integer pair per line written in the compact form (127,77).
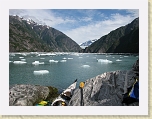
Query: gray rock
(136,66)
(27,95)
(105,89)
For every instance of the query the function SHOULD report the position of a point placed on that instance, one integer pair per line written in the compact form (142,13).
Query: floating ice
(37,63)
(85,66)
(42,58)
(80,57)
(12,54)
(62,60)
(104,61)
(21,57)
(41,72)
(55,61)
(48,54)
(24,54)
(70,58)
(19,62)
(10,61)
(118,60)
(126,56)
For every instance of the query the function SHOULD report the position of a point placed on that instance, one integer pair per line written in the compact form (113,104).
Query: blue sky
(80,24)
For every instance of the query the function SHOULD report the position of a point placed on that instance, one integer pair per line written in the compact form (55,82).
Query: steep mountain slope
(28,36)
(122,40)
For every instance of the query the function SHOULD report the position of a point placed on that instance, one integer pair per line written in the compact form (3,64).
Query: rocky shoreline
(106,89)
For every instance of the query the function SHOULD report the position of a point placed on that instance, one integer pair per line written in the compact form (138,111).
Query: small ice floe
(10,61)
(21,57)
(118,60)
(41,72)
(53,61)
(47,54)
(80,57)
(104,61)
(24,54)
(37,63)
(42,58)
(85,66)
(12,54)
(63,60)
(70,58)
(113,57)
(126,56)
(19,62)
(121,57)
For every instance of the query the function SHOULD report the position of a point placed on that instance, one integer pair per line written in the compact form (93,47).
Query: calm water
(63,68)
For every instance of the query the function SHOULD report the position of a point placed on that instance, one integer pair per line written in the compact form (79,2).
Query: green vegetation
(52,94)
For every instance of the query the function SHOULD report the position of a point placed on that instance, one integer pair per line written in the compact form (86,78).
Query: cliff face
(28,36)
(106,89)
(122,40)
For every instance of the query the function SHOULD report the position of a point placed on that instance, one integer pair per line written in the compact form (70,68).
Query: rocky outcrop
(27,95)
(106,89)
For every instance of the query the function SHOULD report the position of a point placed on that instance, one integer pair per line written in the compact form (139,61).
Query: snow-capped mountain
(87,43)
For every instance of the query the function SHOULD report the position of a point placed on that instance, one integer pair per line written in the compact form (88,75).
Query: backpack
(132,94)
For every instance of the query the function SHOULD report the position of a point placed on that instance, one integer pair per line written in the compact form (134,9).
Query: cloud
(133,12)
(80,25)
(41,16)
(97,29)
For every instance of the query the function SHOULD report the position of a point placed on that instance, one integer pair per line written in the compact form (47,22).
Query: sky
(80,25)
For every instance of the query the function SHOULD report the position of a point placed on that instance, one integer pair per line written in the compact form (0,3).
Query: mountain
(25,35)
(121,40)
(87,43)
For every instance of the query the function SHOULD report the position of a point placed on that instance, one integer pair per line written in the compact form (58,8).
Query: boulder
(106,89)
(27,95)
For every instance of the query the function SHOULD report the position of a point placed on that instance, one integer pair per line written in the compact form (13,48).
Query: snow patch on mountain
(87,43)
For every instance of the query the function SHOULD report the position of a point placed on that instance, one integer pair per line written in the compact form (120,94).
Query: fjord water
(61,69)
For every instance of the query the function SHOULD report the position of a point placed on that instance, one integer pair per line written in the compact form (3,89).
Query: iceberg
(85,66)
(42,58)
(55,61)
(104,61)
(37,63)
(47,54)
(70,58)
(41,72)
(63,61)
(19,62)
(23,59)
(118,60)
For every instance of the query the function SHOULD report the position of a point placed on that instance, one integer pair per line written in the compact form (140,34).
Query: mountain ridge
(25,35)
(113,41)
